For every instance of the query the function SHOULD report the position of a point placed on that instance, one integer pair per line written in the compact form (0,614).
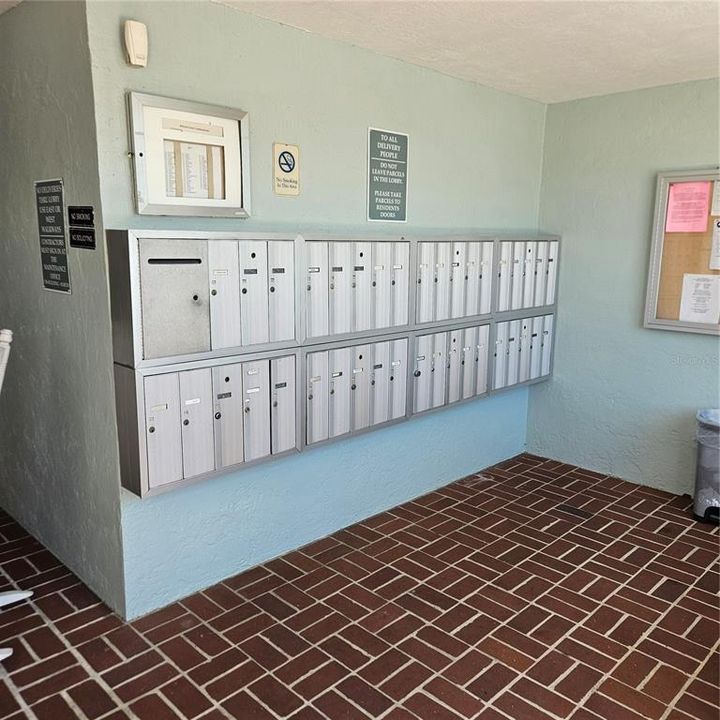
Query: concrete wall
(58,450)
(475,159)
(623,399)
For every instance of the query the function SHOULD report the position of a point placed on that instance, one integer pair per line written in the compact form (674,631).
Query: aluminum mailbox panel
(501,353)
(513,354)
(360,387)
(317,397)
(486,278)
(547,344)
(398,378)
(551,281)
(224,272)
(454,365)
(341,287)
(443,266)
(518,276)
(426,282)
(254,292)
(529,274)
(316,290)
(399,283)
(536,340)
(469,362)
(422,373)
(505,268)
(481,359)
(281,290)
(459,279)
(174,285)
(282,406)
(439,369)
(524,350)
(382,287)
(228,415)
(473,283)
(362,286)
(256,409)
(198,443)
(162,429)
(340,379)
(540,274)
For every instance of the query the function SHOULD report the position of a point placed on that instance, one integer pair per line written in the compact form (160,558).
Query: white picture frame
(189,158)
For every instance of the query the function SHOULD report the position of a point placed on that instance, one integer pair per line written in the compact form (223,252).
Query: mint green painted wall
(59,473)
(622,399)
(475,162)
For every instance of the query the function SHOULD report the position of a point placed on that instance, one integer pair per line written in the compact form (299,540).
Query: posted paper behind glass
(194,170)
(700,300)
(688,207)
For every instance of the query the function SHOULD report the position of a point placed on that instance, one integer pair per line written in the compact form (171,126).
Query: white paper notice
(170,175)
(700,301)
(195,170)
(715,210)
(715,247)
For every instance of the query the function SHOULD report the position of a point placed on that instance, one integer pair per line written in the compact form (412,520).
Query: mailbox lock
(417,373)
(372,382)
(353,386)
(332,391)
(393,282)
(392,377)
(213,292)
(272,288)
(244,291)
(196,298)
(186,422)
(310,397)
(247,409)
(151,429)
(374,284)
(218,415)
(309,287)
(275,403)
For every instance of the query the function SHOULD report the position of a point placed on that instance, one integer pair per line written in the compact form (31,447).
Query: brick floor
(532,590)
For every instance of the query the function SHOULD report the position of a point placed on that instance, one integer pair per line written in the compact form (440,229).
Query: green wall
(623,398)
(58,448)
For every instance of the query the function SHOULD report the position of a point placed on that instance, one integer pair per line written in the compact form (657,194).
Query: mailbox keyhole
(186,422)
(244,291)
(252,255)
(195,298)
(247,409)
(417,373)
(213,292)
(151,429)
(218,415)
(272,289)
(227,379)
(353,386)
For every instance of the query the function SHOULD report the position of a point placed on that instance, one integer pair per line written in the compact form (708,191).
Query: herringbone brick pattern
(532,591)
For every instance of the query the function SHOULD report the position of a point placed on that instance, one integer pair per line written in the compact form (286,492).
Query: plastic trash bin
(707,473)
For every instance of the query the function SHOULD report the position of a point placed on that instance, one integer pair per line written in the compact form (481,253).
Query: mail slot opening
(174,261)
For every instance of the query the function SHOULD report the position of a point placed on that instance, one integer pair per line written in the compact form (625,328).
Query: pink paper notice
(688,207)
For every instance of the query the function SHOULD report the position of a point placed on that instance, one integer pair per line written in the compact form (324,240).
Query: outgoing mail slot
(339,402)
(256,409)
(198,447)
(254,292)
(281,290)
(228,415)
(282,406)
(362,286)
(459,279)
(316,289)
(341,290)
(174,297)
(317,396)
(162,429)
(224,270)
(360,387)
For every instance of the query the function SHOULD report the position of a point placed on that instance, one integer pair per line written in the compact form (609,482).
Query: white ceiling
(547,50)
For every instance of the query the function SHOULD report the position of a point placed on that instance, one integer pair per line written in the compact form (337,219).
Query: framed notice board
(683,291)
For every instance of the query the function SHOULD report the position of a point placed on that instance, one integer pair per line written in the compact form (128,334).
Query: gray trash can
(707,473)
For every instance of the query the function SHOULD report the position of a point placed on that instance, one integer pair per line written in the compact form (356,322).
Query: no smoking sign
(286,169)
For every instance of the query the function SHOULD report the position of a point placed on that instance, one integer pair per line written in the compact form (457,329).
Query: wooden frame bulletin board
(683,290)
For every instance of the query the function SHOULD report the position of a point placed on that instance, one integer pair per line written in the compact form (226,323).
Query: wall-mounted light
(136,43)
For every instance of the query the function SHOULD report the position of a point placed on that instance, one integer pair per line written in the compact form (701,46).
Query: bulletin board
(683,291)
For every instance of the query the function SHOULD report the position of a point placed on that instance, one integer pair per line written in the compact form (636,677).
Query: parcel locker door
(399,283)
(518,275)
(398,378)
(422,373)
(501,341)
(382,289)
(473,272)
(455,366)
(530,270)
(341,291)
(536,337)
(340,379)
(228,415)
(524,350)
(439,369)
(360,387)
(443,266)
(486,278)
(551,272)
(317,396)
(254,292)
(469,362)
(425,282)
(380,383)
(282,404)
(196,411)
(459,279)
(547,345)
(316,289)
(224,273)
(281,297)
(481,359)
(162,429)
(256,409)
(362,286)
(540,274)
(174,297)
(505,265)
(512,350)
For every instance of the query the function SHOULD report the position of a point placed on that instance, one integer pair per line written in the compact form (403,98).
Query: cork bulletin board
(684,277)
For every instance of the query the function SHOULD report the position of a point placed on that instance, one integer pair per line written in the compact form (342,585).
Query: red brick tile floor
(531,590)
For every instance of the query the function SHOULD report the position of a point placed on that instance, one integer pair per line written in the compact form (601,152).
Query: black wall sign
(81,215)
(83,238)
(51,229)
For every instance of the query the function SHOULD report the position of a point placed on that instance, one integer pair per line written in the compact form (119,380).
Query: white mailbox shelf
(234,348)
